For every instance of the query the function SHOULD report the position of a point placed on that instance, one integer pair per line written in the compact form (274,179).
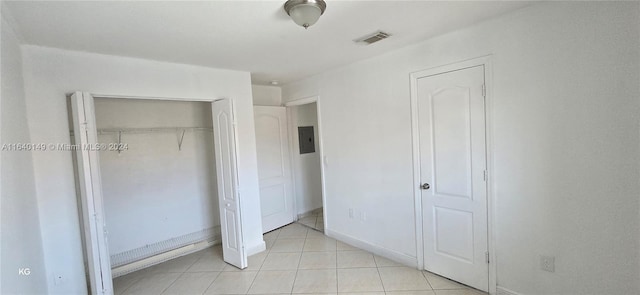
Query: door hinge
(486,256)
(484,90)
(485,175)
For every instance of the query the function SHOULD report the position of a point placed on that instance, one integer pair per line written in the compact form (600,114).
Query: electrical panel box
(306,140)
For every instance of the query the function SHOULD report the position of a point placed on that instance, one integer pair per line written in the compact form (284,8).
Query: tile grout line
(295,278)
(427,279)
(214,279)
(262,264)
(260,267)
(127,288)
(379,276)
(291,291)
(167,287)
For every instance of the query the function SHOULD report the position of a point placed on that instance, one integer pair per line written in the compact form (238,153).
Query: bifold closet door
(228,197)
(90,188)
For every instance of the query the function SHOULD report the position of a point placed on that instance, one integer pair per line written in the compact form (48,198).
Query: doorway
(451,168)
(223,182)
(307,165)
(307,161)
(290,164)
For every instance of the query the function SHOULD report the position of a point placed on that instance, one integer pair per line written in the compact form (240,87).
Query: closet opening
(157,180)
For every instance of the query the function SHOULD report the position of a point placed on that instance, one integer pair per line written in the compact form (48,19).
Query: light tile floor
(315,220)
(298,260)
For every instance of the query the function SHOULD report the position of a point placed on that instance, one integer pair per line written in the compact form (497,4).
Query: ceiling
(254,36)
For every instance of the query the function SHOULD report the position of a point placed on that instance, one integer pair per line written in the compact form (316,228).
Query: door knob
(425,186)
(228,205)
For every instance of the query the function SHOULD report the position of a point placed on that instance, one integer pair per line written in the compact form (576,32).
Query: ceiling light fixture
(305,12)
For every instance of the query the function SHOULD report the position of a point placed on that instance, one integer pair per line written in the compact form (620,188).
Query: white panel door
(228,198)
(90,188)
(274,169)
(451,115)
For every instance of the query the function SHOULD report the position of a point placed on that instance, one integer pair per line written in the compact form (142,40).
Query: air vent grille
(373,38)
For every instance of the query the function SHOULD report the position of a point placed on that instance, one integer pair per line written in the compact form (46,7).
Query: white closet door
(90,188)
(228,197)
(274,168)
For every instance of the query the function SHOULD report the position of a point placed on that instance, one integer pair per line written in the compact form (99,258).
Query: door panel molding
(485,61)
(281,137)
(274,167)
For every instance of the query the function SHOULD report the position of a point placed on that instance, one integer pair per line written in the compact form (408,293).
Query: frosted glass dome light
(305,12)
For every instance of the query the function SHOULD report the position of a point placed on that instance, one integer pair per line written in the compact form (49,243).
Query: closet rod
(152,130)
(121,131)
(149,130)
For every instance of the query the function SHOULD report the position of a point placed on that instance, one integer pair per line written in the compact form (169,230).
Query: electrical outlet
(548,263)
(351,213)
(363,217)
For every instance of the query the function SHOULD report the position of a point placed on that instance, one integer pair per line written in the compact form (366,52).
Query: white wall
(50,74)
(153,191)
(266,95)
(307,175)
(21,243)
(566,148)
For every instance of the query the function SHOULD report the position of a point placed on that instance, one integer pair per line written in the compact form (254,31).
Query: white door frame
(323,160)
(92,203)
(491,201)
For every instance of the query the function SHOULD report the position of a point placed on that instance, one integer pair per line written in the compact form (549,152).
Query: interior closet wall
(307,175)
(154,191)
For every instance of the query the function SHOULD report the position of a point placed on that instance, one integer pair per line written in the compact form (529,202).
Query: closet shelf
(152,130)
(177,130)
(149,130)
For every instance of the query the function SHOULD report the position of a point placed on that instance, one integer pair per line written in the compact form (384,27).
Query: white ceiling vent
(373,38)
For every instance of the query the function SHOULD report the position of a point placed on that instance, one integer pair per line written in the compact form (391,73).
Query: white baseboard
(255,249)
(375,249)
(156,259)
(307,213)
(505,291)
